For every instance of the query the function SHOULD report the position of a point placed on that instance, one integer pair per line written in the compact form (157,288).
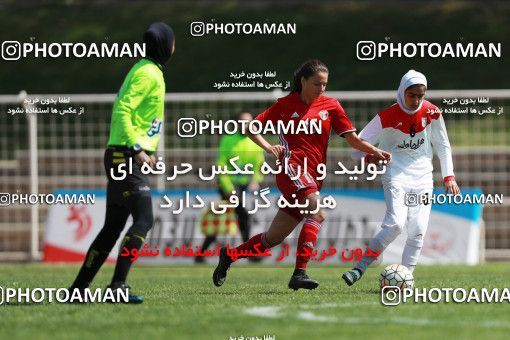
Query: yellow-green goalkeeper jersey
(248,152)
(138,110)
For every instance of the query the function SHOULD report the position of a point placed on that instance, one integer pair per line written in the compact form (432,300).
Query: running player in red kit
(306,101)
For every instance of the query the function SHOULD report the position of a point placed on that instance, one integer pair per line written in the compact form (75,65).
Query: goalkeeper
(238,145)
(135,130)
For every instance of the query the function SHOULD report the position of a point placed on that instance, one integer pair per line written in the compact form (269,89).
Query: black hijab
(158,39)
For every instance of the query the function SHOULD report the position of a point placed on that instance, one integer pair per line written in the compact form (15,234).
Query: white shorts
(404,207)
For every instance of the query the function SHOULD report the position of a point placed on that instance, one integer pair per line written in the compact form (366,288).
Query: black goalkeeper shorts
(134,185)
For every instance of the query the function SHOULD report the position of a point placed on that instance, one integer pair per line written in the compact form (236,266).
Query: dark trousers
(129,196)
(243,219)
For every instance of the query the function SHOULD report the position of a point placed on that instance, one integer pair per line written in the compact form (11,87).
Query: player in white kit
(408,130)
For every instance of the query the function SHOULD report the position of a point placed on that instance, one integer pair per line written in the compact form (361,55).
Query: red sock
(258,241)
(306,241)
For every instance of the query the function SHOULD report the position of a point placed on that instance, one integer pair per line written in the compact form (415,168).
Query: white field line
(274,312)
(264,311)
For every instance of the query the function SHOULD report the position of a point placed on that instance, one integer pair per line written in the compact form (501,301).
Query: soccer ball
(397,275)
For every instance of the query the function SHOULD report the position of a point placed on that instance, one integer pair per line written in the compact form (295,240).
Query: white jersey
(410,138)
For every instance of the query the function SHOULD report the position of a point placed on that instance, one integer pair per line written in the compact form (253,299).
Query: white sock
(384,237)
(411,253)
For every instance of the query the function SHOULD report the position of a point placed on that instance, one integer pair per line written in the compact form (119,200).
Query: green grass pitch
(182,303)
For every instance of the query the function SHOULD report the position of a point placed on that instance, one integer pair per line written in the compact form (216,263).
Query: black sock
(124,263)
(115,220)
(299,272)
(207,242)
(93,261)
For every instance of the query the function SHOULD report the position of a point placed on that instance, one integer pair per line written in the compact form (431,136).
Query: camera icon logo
(391,296)
(5,199)
(187,127)
(411,199)
(11,50)
(197,28)
(366,50)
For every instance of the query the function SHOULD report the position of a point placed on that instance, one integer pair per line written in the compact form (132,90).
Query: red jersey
(312,146)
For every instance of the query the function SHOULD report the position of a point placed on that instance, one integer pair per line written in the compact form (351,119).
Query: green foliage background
(325,30)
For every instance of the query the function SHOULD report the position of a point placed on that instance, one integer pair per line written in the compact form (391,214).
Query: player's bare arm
(362,145)
(275,150)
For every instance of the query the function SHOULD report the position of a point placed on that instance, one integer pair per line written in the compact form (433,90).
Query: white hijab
(409,79)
